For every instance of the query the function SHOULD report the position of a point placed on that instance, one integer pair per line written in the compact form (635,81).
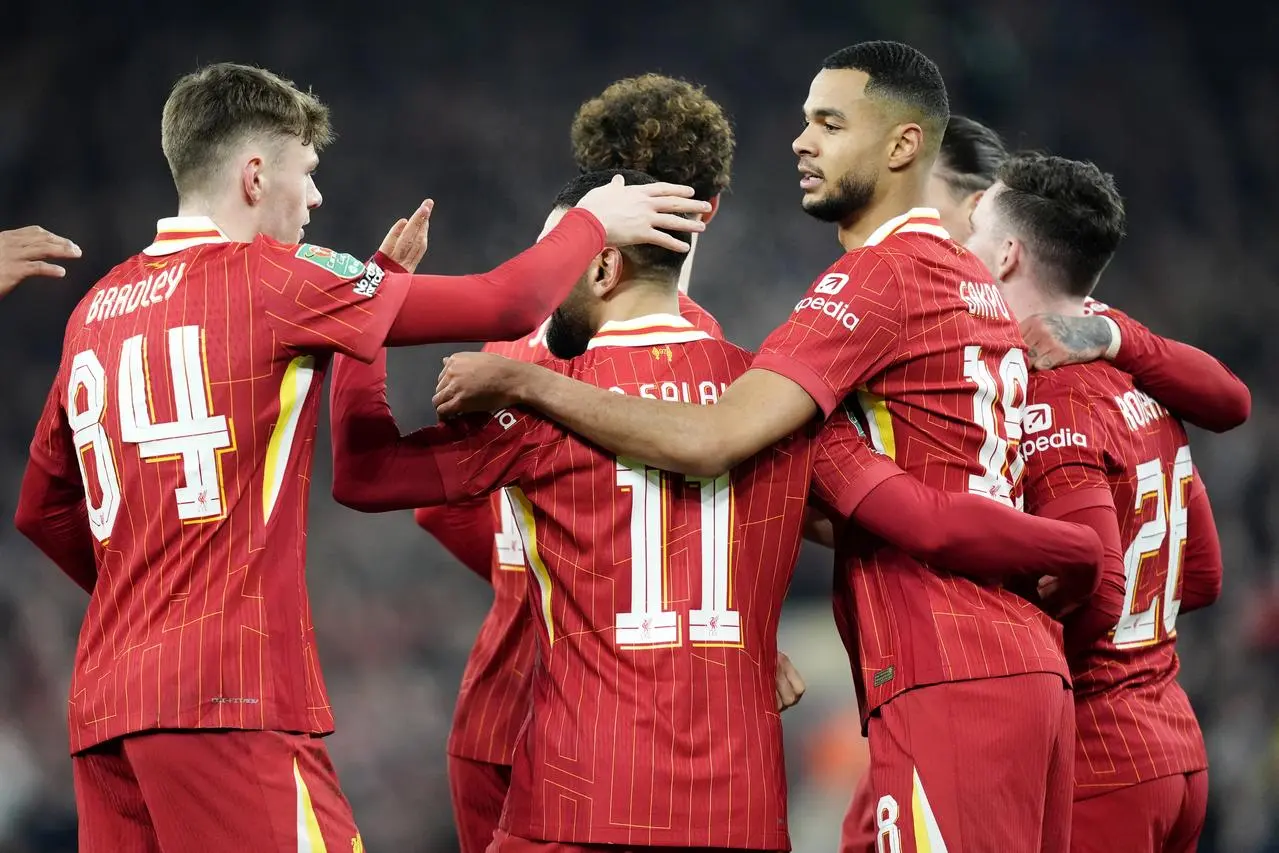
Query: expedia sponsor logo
(372,280)
(1037,418)
(831,283)
(1061,438)
(837,310)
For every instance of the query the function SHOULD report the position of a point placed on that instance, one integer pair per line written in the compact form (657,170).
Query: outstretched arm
(758,409)
(1189,382)
(377,469)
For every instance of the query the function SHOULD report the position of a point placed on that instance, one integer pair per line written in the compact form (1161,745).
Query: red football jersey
(1089,428)
(656,601)
(495,692)
(187,399)
(911,336)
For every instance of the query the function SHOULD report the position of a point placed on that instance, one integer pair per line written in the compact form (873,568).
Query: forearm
(1202,567)
(506,303)
(53,515)
(1101,612)
(374,469)
(1187,381)
(972,535)
(625,425)
(466,530)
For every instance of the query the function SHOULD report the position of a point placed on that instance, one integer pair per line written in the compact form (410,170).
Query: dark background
(470,103)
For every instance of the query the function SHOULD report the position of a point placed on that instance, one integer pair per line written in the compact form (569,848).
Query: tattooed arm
(1192,384)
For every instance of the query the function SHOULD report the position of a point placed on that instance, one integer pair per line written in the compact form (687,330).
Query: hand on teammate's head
(640,213)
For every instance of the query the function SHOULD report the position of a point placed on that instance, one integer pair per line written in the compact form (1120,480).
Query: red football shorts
(858,834)
(478,790)
(1160,816)
(504,842)
(983,766)
(196,791)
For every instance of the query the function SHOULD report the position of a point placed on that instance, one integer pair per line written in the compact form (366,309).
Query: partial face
(288,192)
(956,210)
(573,324)
(842,148)
(988,238)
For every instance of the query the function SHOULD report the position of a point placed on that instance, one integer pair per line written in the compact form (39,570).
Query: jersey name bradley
(127,298)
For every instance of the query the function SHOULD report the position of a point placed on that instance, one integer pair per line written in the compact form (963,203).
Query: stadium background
(470,103)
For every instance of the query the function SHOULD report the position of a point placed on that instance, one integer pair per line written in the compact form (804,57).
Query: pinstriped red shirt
(655,602)
(909,337)
(495,694)
(1089,431)
(186,400)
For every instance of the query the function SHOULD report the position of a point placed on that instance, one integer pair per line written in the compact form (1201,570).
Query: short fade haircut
(659,262)
(902,75)
(214,108)
(970,156)
(665,127)
(1068,212)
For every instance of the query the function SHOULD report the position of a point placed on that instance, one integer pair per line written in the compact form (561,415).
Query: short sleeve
(319,299)
(844,331)
(845,468)
(53,446)
(1064,446)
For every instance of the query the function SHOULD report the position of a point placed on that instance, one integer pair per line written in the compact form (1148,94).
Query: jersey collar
(175,233)
(652,330)
(918,220)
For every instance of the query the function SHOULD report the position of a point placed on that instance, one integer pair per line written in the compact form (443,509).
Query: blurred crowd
(470,104)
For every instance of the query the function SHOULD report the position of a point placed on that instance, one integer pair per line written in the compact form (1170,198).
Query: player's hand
(634,214)
(405,243)
(25,252)
(790,684)
(476,382)
(1053,340)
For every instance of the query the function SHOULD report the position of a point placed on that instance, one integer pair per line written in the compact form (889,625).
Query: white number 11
(647,623)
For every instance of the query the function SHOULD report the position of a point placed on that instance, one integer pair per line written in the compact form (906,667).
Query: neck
(234,221)
(1031,298)
(639,299)
(901,194)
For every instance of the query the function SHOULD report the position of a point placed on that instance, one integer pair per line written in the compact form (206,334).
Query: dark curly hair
(1069,213)
(665,127)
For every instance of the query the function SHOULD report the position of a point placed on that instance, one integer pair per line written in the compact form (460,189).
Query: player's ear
(907,142)
(1009,258)
(252,181)
(714,202)
(607,274)
(969,204)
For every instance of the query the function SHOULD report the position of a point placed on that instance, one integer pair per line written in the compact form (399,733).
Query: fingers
(40,268)
(673,204)
(392,237)
(664,189)
(666,241)
(420,219)
(790,685)
(671,222)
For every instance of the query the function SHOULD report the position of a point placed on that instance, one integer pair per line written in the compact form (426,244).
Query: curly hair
(665,127)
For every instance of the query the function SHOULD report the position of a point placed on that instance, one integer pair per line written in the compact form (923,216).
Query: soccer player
(1099,450)
(169,470)
(686,139)
(579,583)
(906,333)
(26,252)
(1198,388)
